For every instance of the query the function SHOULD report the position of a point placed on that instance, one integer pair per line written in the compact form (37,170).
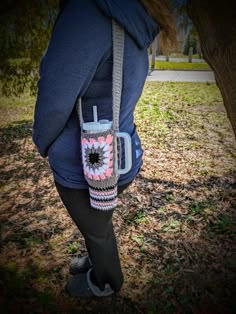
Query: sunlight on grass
(170,65)
(16,108)
(164,104)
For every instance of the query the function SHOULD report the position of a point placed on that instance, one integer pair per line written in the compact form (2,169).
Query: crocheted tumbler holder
(100,153)
(99,158)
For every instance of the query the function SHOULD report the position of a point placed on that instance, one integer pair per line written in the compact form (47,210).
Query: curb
(187,70)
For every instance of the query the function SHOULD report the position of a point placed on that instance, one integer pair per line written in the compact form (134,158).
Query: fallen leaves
(175,224)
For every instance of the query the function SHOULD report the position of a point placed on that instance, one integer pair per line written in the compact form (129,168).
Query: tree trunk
(199,49)
(154,51)
(158,51)
(190,55)
(167,57)
(215,22)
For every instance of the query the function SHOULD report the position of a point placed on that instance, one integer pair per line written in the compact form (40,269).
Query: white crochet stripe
(103,205)
(101,196)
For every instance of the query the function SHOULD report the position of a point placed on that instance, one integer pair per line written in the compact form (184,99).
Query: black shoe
(81,286)
(80,265)
(77,286)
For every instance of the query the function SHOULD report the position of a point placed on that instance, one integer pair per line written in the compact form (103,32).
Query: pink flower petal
(109,139)
(92,140)
(84,141)
(110,149)
(110,163)
(109,172)
(101,139)
(102,176)
(96,177)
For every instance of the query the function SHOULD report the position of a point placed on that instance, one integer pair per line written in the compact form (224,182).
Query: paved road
(184,59)
(181,76)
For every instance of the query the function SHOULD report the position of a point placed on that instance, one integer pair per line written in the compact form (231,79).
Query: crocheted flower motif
(97,155)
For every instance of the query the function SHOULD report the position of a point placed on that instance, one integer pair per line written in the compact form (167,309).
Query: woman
(78,63)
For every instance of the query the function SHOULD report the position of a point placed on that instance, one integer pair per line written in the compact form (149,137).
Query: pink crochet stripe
(103,204)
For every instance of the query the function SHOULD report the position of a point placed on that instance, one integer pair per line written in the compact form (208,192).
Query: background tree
(25,28)
(184,24)
(215,22)
(154,53)
(190,42)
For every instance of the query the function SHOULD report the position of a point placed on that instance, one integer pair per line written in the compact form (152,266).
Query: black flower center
(94,158)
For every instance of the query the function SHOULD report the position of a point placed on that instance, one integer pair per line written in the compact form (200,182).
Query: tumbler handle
(128,153)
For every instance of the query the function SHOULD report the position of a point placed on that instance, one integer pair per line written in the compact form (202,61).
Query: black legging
(97,228)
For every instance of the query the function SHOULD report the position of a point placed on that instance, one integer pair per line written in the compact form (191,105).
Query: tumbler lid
(94,127)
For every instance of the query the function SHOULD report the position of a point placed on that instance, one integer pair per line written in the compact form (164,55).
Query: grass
(171,65)
(73,247)
(223,223)
(16,108)
(175,224)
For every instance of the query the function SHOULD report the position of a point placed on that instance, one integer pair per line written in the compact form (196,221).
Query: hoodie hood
(131,15)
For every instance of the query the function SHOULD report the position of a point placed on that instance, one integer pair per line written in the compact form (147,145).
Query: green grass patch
(172,225)
(32,241)
(159,96)
(201,209)
(163,104)
(171,65)
(16,108)
(141,218)
(222,224)
(73,247)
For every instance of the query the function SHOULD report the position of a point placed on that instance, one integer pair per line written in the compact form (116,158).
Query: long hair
(162,13)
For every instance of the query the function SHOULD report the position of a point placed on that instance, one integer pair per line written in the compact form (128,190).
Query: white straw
(95,114)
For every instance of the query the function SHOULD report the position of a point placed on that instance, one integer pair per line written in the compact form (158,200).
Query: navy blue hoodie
(78,63)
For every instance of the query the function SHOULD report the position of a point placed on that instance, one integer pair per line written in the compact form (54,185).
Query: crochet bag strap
(117,76)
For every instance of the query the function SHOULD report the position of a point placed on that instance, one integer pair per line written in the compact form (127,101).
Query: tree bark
(215,22)
(154,52)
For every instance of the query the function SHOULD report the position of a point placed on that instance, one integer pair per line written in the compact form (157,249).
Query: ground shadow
(164,231)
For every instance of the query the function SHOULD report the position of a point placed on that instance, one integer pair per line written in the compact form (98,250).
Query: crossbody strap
(117,76)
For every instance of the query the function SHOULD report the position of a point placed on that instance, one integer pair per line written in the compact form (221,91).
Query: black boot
(80,265)
(81,285)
